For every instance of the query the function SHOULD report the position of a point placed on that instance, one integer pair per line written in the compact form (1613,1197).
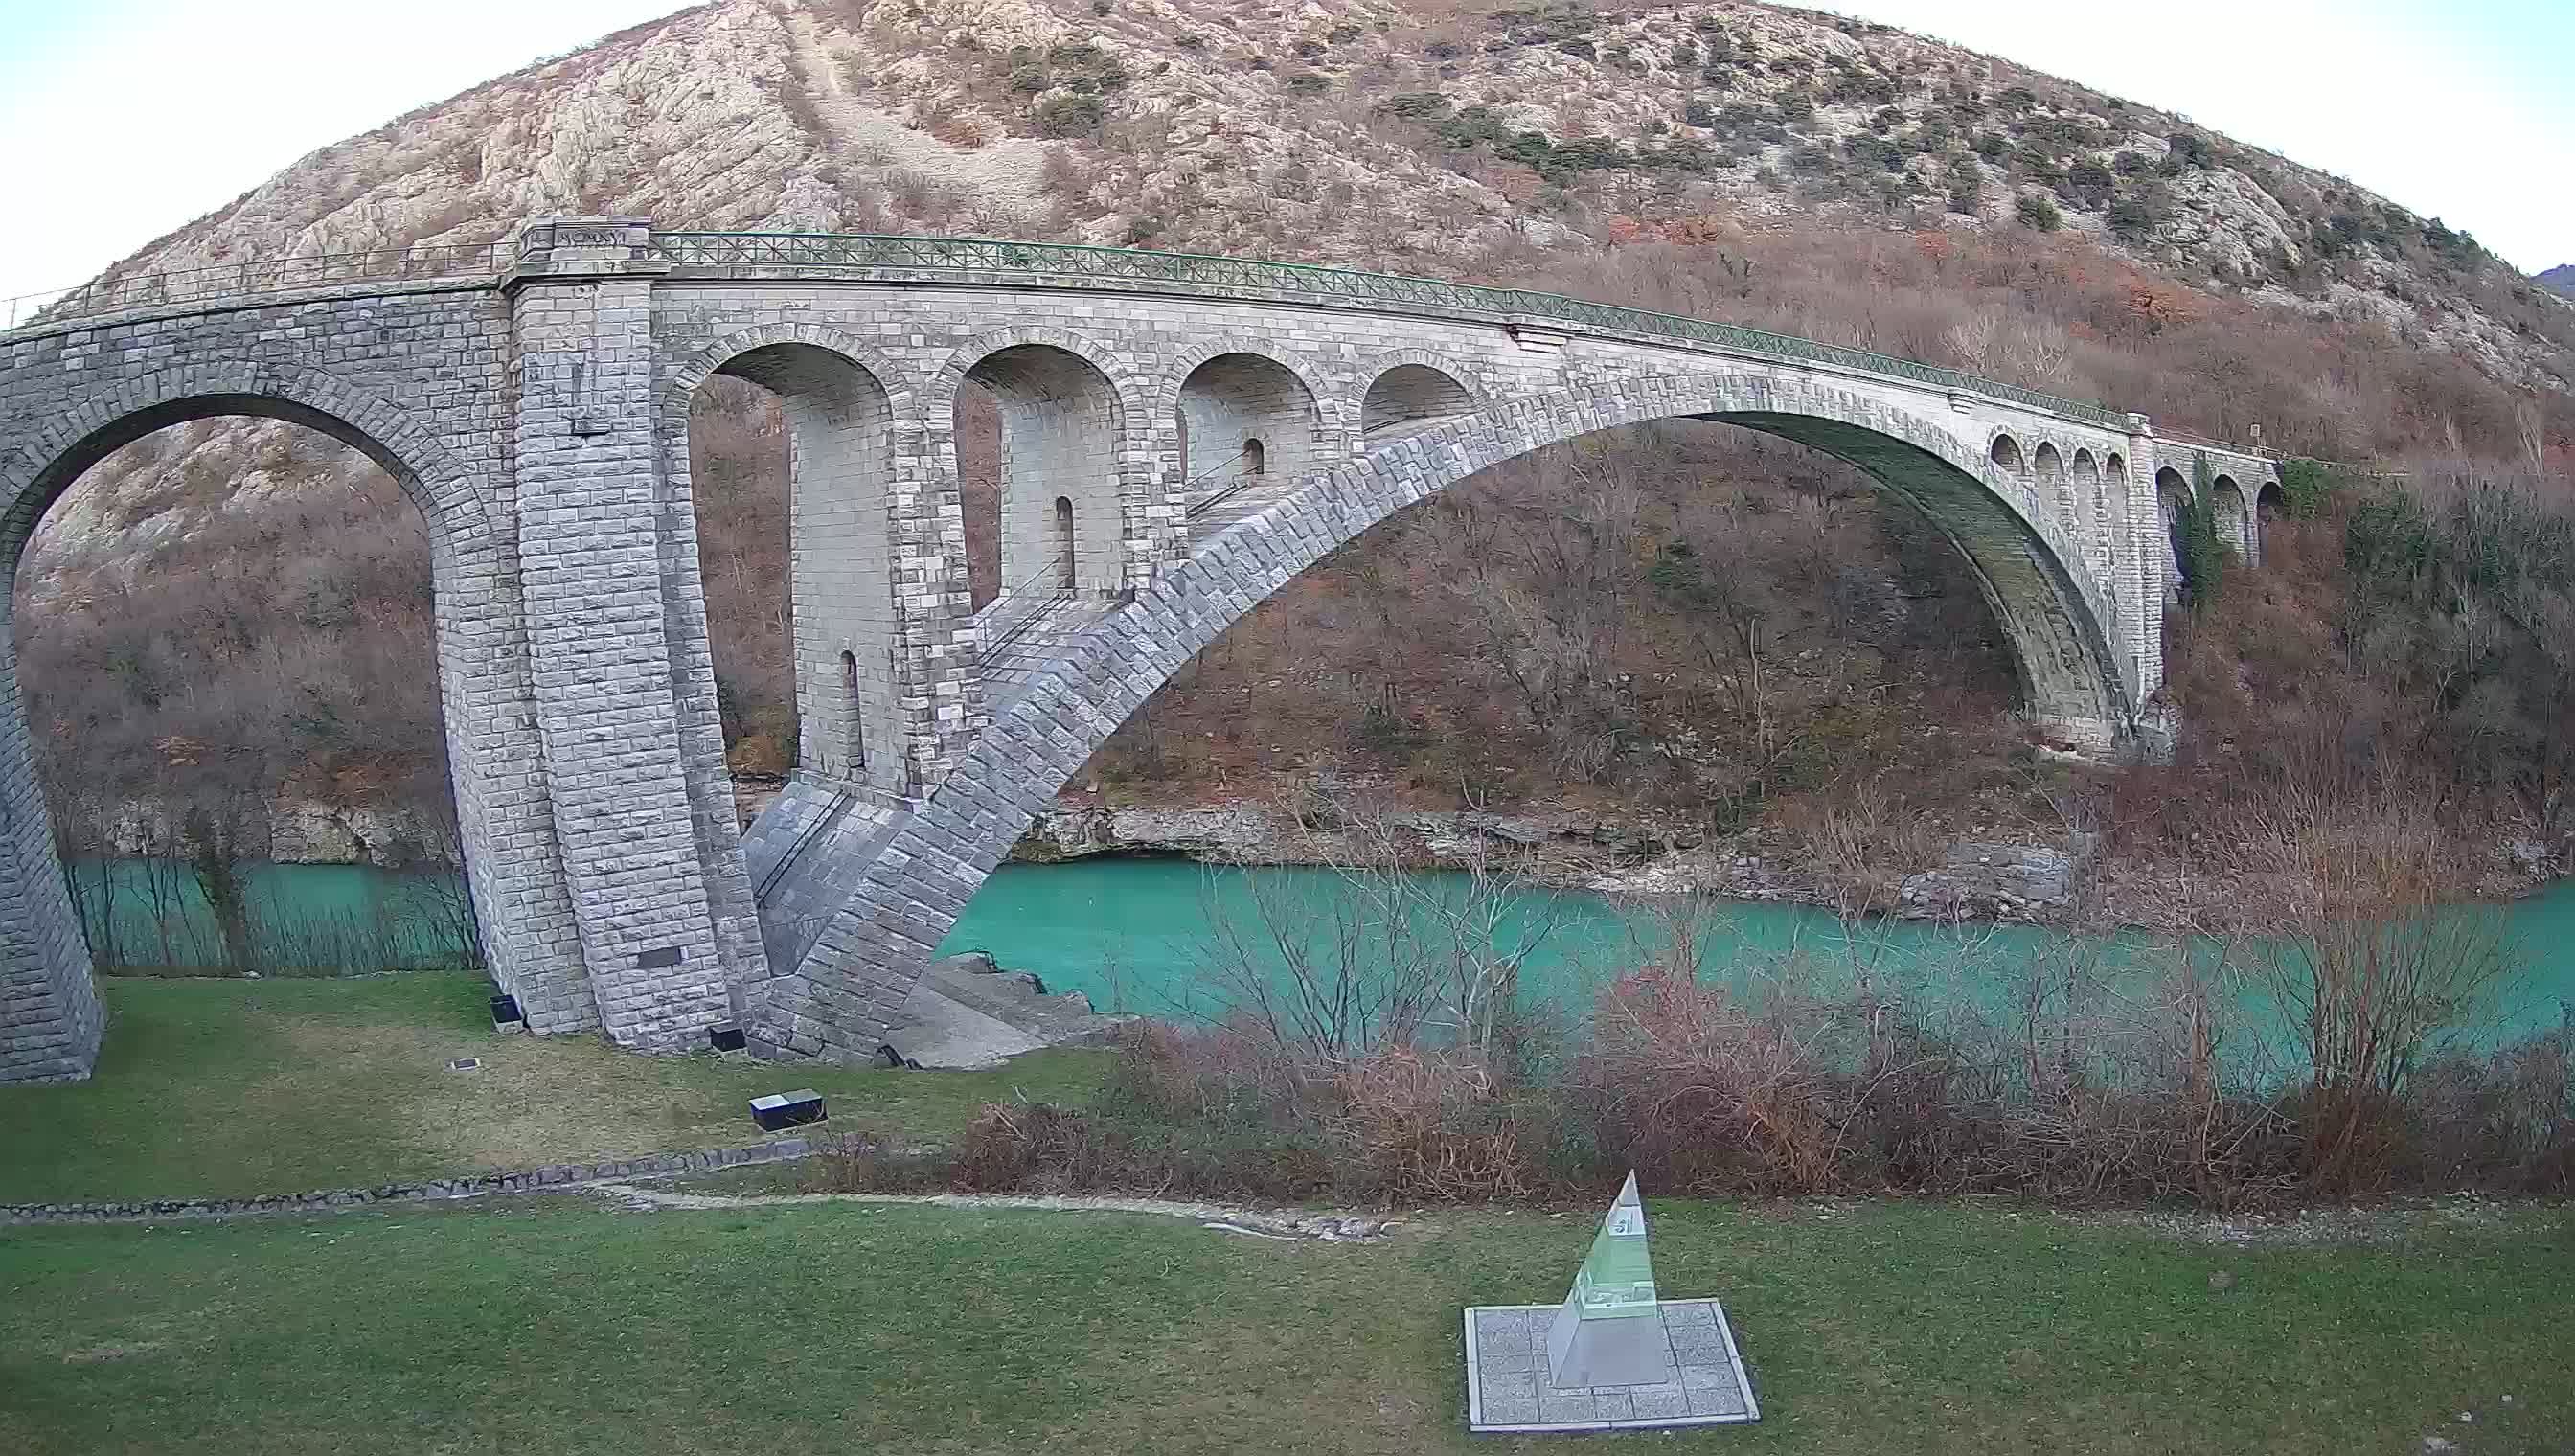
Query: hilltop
(1418,137)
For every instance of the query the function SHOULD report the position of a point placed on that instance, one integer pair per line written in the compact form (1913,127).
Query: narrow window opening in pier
(1065,538)
(858,706)
(1254,458)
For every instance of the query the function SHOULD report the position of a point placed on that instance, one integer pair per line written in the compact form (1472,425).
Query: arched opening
(2053,487)
(2005,454)
(1408,399)
(976,421)
(1056,427)
(1066,543)
(2270,503)
(2112,511)
(2172,496)
(224,619)
(2234,522)
(2085,524)
(1240,415)
(790,461)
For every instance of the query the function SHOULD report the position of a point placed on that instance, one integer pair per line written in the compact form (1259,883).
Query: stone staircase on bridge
(803,854)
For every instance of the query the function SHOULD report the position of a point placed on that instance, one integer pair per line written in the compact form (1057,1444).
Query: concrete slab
(967,1013)
(1508,1389)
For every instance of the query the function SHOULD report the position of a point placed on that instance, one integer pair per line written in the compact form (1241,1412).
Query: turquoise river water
(1169,937)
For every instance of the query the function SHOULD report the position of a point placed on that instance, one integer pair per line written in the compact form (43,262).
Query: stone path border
(551,1178)
(614,1177)
(1222,1217)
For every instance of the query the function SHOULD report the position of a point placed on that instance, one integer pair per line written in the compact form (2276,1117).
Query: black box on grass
(725,1038)
(781,1111)
(506,1012)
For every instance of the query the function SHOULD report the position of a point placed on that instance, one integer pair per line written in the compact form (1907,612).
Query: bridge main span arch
(847,991)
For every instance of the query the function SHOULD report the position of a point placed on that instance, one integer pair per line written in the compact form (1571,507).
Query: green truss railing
(215,283)
(828,254)
(1002,262)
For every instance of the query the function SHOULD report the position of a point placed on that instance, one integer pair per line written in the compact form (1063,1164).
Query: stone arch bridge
(1181,436)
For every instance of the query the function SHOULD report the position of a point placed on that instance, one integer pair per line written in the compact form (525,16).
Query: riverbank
(2063,881)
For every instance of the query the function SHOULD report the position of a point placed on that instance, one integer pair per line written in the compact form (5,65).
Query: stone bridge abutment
(1179,438)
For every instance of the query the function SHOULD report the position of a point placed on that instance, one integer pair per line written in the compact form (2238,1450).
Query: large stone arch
(848,410)
(850,987)
(511,862)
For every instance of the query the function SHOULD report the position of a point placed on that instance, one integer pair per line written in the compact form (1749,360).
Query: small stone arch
(2047,467)
(1072,425)
(1445,388)
(681,388)
(843,403)
(1134,386)
(2005,454)
(2084,522)
(1187,360)
(2233,519)
(2172,502)
(1240,412)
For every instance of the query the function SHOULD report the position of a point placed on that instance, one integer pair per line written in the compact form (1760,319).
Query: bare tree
(1390,955)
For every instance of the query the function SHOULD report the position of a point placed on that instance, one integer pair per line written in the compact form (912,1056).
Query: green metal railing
(826,255)
(249,278)
(829,254)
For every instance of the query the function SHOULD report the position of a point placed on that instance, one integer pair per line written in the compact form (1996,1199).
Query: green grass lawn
(232,1088)
(813,1328)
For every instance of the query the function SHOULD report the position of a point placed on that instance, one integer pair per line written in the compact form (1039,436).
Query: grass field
(813,1328)
(567,1325)
(232,1088)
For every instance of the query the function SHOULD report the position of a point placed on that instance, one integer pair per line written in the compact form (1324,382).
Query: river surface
(1177,939)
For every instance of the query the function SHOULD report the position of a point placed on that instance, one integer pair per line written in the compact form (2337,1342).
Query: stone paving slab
(1507,1387)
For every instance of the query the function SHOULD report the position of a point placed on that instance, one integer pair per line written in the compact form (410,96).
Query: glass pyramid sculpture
(1609,1331)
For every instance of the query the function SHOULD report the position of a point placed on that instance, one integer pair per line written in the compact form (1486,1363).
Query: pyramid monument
(1613,1355)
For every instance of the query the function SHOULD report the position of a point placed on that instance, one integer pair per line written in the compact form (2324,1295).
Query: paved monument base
(1509,1387)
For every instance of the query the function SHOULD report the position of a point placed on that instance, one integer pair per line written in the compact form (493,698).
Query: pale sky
(123,119)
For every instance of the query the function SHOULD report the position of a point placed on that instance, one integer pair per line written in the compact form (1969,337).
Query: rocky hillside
(1301,131)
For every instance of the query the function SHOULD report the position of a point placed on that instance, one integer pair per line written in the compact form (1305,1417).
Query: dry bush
(1429,1124)
(1858,848)
(2372,970)
(1698,1090)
